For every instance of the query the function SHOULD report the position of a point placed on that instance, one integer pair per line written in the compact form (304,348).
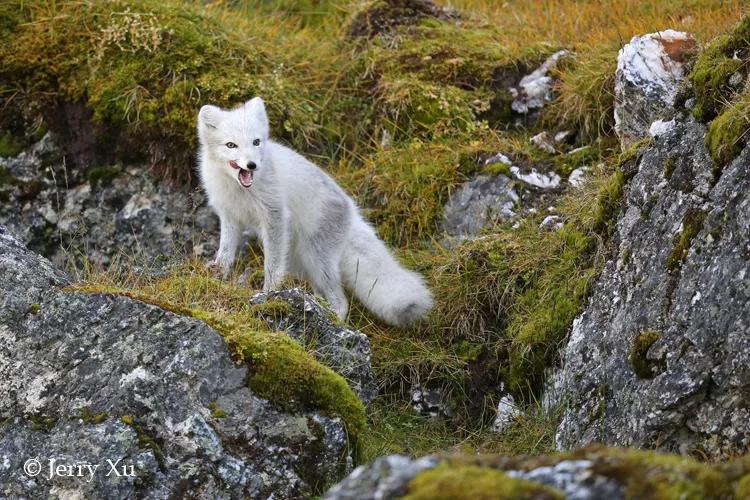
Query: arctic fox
(308,225)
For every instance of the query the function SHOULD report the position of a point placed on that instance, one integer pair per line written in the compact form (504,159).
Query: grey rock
(693,394)
(386,478)
(481,202)
(551,222)
(315,327)
(576,478)
(507,411)
(59,212)
(544,142)
(430,401)
(155,380)
(736,79)
(578,176)
(535,89)
(486,199)
(537,179)
(649,70)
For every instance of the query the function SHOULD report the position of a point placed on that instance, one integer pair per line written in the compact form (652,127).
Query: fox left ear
(209,116)
(258,108)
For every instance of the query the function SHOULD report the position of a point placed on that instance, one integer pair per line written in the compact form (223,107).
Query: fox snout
(251,165)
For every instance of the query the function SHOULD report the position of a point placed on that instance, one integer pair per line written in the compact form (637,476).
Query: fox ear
(208,116)
(257,107)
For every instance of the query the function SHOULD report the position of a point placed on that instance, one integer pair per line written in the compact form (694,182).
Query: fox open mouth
(244,176)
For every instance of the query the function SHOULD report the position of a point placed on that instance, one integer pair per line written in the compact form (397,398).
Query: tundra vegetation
(401,103)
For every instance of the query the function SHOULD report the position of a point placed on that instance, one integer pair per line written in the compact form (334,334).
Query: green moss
(669,166)
(642,366)
(717,98)
(103,176)
(497,168)
(743,488)
(608,203)
(472,482)
(145,440)
(6,178)
(9,145)
(692,223)
(280,369)
(41,422)
(283,372)
(646,474)
(216,412)
(640,474)
(728,134)
(90,417)
(35,308)
(713,69)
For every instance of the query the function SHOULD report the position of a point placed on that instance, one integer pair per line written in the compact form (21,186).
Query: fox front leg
(275,249)
(228,242)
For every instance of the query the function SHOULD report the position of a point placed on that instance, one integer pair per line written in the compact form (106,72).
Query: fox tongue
(245,177)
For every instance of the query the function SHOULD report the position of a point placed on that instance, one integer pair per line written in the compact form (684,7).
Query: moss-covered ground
(401,105)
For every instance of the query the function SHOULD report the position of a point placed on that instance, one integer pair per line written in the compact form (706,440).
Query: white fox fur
(308,225)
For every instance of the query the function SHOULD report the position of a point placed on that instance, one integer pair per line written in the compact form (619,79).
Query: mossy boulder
(152,384)
(594,472)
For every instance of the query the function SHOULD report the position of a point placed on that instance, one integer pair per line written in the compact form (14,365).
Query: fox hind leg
(326,281)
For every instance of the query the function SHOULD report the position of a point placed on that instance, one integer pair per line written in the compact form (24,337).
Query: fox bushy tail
(394,294)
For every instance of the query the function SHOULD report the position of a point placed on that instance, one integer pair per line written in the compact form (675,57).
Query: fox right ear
(208,116)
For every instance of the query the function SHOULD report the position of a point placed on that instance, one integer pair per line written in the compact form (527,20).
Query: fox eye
(231,145)
(256,142)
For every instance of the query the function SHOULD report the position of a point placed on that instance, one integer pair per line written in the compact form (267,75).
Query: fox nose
(251,165)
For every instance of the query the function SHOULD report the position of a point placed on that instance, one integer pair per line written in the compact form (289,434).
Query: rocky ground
(592,283)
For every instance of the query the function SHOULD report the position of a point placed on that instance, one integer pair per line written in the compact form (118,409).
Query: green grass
(396,428)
